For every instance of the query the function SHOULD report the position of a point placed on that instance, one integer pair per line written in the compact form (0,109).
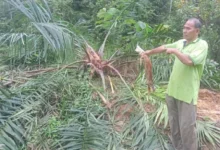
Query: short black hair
(197,22)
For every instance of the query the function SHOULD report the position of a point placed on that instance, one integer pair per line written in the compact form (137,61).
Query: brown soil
(208,106)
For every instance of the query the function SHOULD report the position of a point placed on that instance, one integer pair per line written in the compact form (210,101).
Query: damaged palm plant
(148,69)
(95,60)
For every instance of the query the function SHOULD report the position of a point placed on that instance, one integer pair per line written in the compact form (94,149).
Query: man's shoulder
(181,40)
(203,43)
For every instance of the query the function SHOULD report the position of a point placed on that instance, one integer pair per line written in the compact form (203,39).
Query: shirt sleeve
(198,56)
(173,45)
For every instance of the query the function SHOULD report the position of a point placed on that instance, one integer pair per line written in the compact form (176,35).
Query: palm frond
(12,38)
(93,134)
(161,115)
(144,135)
(32,10)
(56,35)
(79,137)
(12,131)
(47,36)
(21,110)
(207,134)
(156,99)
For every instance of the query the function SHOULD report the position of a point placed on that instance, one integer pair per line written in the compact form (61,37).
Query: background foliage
(48,100)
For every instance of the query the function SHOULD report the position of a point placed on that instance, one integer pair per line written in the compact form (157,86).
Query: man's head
(191,29)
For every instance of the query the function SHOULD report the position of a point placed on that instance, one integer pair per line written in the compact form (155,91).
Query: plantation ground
(209,105)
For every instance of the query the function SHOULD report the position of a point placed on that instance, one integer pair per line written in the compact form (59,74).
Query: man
(182,93)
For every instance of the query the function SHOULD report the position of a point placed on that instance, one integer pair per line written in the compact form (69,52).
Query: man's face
(190,33)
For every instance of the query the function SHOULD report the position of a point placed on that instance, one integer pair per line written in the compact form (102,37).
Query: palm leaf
(19,111)
(53,37)
(95,134)
(207,134)
(161,115)
(55,34)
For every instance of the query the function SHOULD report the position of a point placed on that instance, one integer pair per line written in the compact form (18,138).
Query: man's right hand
(147,52)
(139,49)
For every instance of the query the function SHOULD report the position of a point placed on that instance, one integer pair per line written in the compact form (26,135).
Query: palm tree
(40,37)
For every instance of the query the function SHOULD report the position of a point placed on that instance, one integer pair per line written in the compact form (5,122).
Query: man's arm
(185,59)
(159,49)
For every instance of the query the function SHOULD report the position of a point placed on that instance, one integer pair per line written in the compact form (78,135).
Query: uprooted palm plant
(97,64)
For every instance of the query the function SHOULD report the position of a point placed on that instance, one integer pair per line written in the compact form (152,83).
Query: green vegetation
(48,99)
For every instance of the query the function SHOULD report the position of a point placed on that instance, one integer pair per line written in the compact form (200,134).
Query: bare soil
(208,106)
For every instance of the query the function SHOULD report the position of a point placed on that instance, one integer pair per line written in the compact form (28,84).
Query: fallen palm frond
(143,133)
(26,75)
(156,99)
(94,133)
(161,115)
(21,109)
(33,73)
(208,134)
(17,119)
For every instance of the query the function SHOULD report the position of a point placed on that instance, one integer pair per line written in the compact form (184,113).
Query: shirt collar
(196,40)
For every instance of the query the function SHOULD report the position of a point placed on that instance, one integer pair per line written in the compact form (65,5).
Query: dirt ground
(208,106)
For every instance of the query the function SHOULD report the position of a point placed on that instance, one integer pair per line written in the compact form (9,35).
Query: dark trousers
(182,121)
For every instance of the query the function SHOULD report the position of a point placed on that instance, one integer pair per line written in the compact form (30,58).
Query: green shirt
(184,81)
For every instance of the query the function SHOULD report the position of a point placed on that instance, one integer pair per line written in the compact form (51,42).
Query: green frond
(161,115)
(207,134)
(143,135)
(43,37)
